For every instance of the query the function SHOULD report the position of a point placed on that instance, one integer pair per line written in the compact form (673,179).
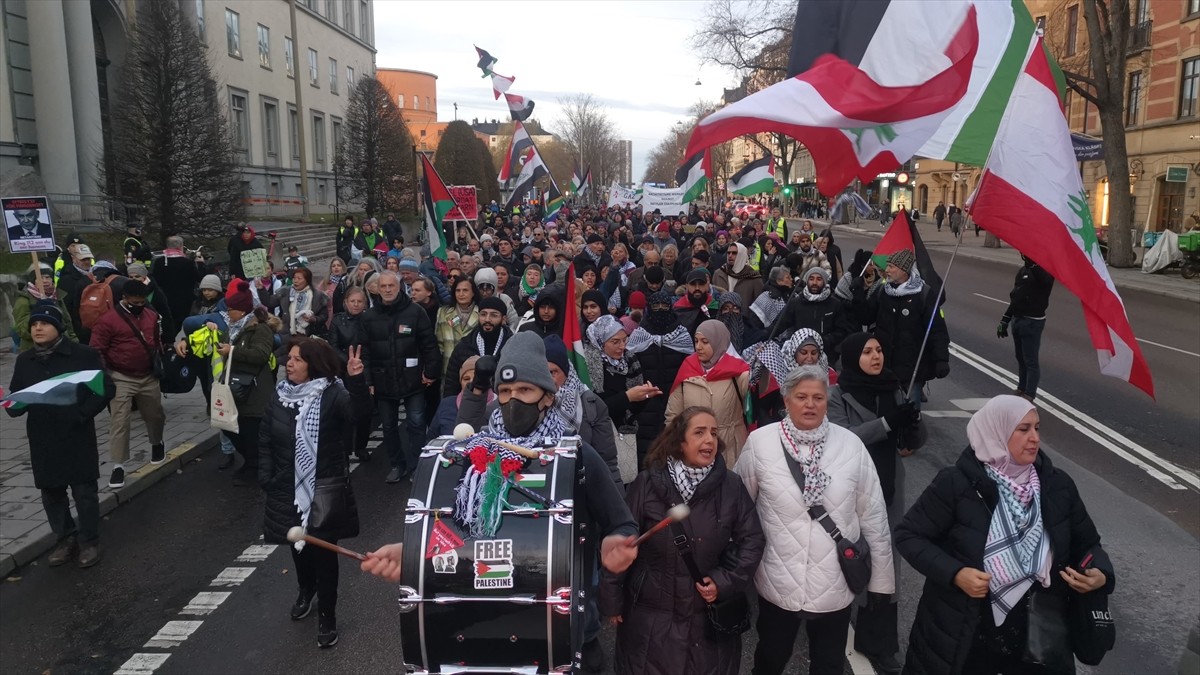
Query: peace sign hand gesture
(354,365)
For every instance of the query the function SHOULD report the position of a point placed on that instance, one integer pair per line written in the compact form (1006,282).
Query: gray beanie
(816,269)
(211,282)
(523,359)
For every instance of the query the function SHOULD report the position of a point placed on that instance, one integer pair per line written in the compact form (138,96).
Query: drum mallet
(297,534)
(676,514)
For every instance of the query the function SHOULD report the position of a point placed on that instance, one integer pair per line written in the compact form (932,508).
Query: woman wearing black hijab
(869,400)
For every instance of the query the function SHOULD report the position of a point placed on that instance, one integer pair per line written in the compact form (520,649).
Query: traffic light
(787,190)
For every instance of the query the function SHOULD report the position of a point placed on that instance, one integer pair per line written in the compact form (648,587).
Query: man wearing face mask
(487,339)
(127,337)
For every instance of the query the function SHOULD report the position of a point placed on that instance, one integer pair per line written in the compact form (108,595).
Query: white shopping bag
(222,412)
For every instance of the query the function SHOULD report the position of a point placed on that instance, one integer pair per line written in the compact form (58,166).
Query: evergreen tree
(458,159)
(376,158)
(489,188)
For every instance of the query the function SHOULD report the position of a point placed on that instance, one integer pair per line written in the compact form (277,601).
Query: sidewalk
(1167,284)
(24,533)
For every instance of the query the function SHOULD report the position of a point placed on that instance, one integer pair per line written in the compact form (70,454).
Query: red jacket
(119,348)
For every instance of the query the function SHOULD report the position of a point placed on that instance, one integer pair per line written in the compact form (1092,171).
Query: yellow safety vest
(755,258)
(778,227)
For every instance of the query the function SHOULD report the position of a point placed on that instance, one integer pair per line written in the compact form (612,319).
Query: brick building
(415,93)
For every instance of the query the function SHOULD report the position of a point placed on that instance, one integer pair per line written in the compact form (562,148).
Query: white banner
(668,201)
(619,196)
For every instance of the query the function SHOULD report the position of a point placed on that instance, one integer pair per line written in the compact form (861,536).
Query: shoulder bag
(156,361)
(627,464)
(726,618)
(853,556)
(1093,632)
(223,413)
(1048,640)
(334,512)
(240,384)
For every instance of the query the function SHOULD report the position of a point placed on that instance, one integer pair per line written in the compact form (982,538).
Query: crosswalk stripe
(173,634)
(232,576)
(205,602)
(142,664)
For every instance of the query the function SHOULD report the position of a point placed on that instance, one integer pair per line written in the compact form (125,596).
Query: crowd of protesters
(742,366)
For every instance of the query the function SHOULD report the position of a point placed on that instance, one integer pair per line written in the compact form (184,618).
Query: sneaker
(63,552)
(117,479)
(226,462)
(158,453)
(89,555)
(394,475)
(593,657)
(326,631)
(304,605)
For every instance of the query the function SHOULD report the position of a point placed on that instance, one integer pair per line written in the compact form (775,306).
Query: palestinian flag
(493,569)
(520,107)
(576,181)
(438,202)
(518,145)
(532,171)
(486,61)
(902,234)
(572,334)
(554,201)
(531,480)
(60,390)
(693,175)
(754,178)
(1031,197)
(500,84)
(587,181)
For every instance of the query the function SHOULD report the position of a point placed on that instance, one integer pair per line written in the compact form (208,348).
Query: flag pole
(932,315)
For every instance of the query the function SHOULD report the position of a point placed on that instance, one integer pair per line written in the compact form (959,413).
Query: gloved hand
(940,369)
(904,416)
(485,372)
(1002,329)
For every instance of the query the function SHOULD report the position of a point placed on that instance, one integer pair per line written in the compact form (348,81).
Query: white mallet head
(463,430)
(679,512)
(295,534)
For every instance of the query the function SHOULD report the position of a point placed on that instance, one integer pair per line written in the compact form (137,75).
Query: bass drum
(501,605)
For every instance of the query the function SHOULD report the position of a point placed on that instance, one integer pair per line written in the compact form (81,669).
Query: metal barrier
(89,212)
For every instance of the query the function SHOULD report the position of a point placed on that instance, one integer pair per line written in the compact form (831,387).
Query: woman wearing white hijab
(1001,524)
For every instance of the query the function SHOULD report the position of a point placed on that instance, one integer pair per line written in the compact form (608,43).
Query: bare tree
(747,36)
(666,157)
(590,134)
(376,158)
(173,152)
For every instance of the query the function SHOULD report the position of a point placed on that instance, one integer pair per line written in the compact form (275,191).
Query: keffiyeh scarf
(767,308)
(807,447)
(567,400)
(819,297)
(686,478)
(910,287)
(1017,551)
(479,344)
(235,327)
(301,302)
(305,399)
(678,340)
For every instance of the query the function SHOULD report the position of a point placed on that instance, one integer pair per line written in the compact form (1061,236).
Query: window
(1133,99)
(400,101)
(318,135)
(333,74)
(349,77)
(1072,28)
(348,16)
(364,20)
(200,20)
(239,122)
(329,10)
(289,56)
(1193,8)
(1142,14)
(314,75)
(428,105)
(294,132)
(1189,87)
(336,124)
(422,133)
(271,128)
(264,46)
(416,102)
(233,33)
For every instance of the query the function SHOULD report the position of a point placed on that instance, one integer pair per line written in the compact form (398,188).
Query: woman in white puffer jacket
(800,578)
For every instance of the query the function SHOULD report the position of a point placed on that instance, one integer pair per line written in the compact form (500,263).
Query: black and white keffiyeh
(807,447)
(818,297)
(305,399)
(552,427)
(686,478)
(567,400)
(767,308)
(1017,551)
(910,287)
(301,302)
(479,344)
(678,340)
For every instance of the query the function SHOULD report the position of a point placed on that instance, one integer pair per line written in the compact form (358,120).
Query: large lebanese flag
(1031,196)
(860,119)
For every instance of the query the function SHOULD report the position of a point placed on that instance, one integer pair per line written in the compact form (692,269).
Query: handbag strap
(684,545)
(818,512)
(137,332)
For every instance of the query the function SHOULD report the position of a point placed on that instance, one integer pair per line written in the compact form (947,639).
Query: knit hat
(556,352)
(595,238)
(211,282)
(637,300)
(138,269)
(485,237)
(697,275)
(48,311)
(903,259)
(46,269)
(817,269)
(603,329)
(486,275)
(655,274)
(596,297)
(730,296)
(238,296)
(701,255)
(662,227)
(408,263)
(523,359)
(495,303)
(468,366)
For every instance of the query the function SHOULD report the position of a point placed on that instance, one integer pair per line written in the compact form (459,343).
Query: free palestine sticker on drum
(493,564)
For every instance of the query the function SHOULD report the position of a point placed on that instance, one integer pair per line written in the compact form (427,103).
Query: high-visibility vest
(778,227)
(755,258)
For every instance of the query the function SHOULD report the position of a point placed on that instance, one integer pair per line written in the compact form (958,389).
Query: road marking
(232,576)
(988,297)
(1174,349)
(143,664)
(173,634)
(204,603)
(1162,470)
(859,664)
(257,553)
(946,413)
(969,404)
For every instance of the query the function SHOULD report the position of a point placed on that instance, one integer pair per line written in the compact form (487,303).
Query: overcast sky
(633,56)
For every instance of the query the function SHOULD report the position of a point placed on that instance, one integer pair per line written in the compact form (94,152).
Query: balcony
(1139,37)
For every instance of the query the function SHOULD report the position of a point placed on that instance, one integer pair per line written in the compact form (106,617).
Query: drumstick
(676,514)
(297,534)
(526,452)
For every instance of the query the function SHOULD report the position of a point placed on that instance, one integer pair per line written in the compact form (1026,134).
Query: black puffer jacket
(662,632)
(830,317)
(946,530)
(345,331)
(277,453)
(900,323)
(398,348)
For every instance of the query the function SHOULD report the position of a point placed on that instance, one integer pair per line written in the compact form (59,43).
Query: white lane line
(1174,349)
(1160,469)
(232,576)
(204,603)
(143,664)
(946,413)
(859,665)
(988,297)
(257,553)
(173,634)
(969,404)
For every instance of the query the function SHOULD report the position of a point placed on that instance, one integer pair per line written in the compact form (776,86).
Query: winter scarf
(767,306)
(678,340)
(568,400)
(687,478)
(600,366)
(43,353)
(727,367)
(807,447)
(305,398)
(481,344)
(301,302)
(910,287)
(236,327)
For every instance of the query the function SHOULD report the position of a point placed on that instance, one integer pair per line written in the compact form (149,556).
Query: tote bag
(626,452)
(222,412)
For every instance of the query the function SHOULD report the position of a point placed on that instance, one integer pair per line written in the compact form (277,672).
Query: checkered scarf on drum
(686,478)
(1017,545)
(305,399)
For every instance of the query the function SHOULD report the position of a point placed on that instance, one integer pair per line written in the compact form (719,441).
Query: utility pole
(305,210)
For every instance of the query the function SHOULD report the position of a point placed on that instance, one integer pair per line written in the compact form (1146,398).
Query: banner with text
(668,201)
(467,200)
(619,196)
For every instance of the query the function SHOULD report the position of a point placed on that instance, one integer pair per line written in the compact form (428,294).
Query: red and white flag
(1031,196)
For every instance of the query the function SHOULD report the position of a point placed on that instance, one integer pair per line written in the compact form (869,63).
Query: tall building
(415,93)
(63,60)
(625,168)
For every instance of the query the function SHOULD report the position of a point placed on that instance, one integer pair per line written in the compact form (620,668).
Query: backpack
(96,300)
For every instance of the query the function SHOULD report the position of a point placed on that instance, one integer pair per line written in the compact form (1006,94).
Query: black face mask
(520,418)
(135,310)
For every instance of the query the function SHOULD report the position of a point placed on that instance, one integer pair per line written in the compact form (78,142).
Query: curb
(1175,294)
(136,483)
